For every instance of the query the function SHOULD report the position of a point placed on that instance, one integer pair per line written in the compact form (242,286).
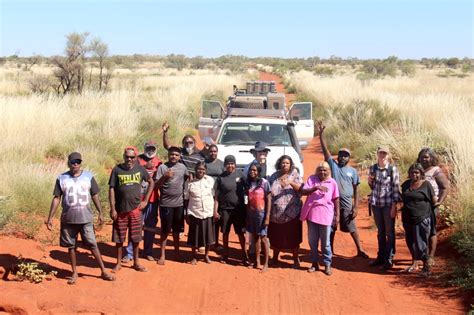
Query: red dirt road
(217,288)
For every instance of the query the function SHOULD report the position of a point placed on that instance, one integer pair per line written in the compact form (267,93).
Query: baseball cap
(150,143)
(345,150)
(383,148)
(229,159)
(74,156)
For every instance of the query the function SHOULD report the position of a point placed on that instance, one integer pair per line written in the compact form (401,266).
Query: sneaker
(376,262)
(328,270)
(201,250)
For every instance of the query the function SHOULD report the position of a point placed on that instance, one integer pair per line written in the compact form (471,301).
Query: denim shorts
(256,220)
(70,232)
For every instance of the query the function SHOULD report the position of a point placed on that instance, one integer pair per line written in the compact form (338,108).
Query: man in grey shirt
(170,178)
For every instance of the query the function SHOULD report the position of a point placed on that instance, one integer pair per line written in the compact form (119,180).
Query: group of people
(265,210)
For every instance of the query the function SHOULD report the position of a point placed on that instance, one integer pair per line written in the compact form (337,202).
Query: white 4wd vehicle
(235,131)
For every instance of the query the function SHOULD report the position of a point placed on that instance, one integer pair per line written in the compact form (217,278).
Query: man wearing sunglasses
(190,155)
(126,203)
(75,189)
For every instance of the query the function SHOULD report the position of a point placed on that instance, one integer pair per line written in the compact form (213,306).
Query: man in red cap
(126,203)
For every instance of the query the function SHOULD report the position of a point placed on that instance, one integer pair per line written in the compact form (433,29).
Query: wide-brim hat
(259,147)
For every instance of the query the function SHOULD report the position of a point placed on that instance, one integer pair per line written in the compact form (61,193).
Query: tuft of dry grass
(38,131)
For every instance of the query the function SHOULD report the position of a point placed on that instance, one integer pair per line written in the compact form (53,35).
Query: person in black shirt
(418,200)
(230,205)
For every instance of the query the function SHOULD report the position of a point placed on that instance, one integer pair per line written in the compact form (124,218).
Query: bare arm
(96,201)
(52,211)
(355,203)
(337,207)
(149,191)
(165,127)
(327,154)
(113,211)
(268,206)
(443,186)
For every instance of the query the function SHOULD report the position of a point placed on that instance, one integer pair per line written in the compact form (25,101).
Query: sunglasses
(75,162)
(189,142)
(130,157)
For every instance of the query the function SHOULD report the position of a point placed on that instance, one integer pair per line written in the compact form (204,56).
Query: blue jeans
(385,232)
(150,219)
(315,232)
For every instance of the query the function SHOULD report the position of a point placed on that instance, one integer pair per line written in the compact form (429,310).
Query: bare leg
(193,260)
(242,246)
(296,258)
(266,255)
(176,246)
(104,274)
(331,238)
(206,255)
(360,251)
(257,243)
(163,241)
(276,254)
(225,242)
(72,257)
(433,242)
(118,266)
(136,262)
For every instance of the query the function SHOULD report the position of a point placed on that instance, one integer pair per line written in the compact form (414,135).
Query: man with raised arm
(347,181)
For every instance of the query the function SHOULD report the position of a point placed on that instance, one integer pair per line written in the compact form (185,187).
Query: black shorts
(347,221)
(172,219)
(235,217)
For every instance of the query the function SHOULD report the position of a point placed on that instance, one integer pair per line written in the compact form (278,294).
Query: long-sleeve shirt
(386,185)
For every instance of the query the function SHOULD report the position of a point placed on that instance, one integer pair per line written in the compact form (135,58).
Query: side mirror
(296,118)
(214,116)
(303,144)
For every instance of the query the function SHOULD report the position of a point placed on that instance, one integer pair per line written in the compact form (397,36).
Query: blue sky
(362,29)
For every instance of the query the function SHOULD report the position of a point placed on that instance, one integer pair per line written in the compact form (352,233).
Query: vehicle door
(302,114)
(212,114)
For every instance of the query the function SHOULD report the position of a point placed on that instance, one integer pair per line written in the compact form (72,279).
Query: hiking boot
(328,270)
(376,262)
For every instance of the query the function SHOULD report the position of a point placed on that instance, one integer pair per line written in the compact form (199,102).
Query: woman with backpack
(384,180)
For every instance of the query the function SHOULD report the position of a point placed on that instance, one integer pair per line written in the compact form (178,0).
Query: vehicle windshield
(248,134)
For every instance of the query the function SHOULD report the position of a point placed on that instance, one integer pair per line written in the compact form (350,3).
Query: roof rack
(251,112)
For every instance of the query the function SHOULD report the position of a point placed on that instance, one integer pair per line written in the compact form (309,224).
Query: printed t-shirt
(76,195)
(171,192)
(230,190)
(128,186)
(345,178)
(257,195)
(319,206)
